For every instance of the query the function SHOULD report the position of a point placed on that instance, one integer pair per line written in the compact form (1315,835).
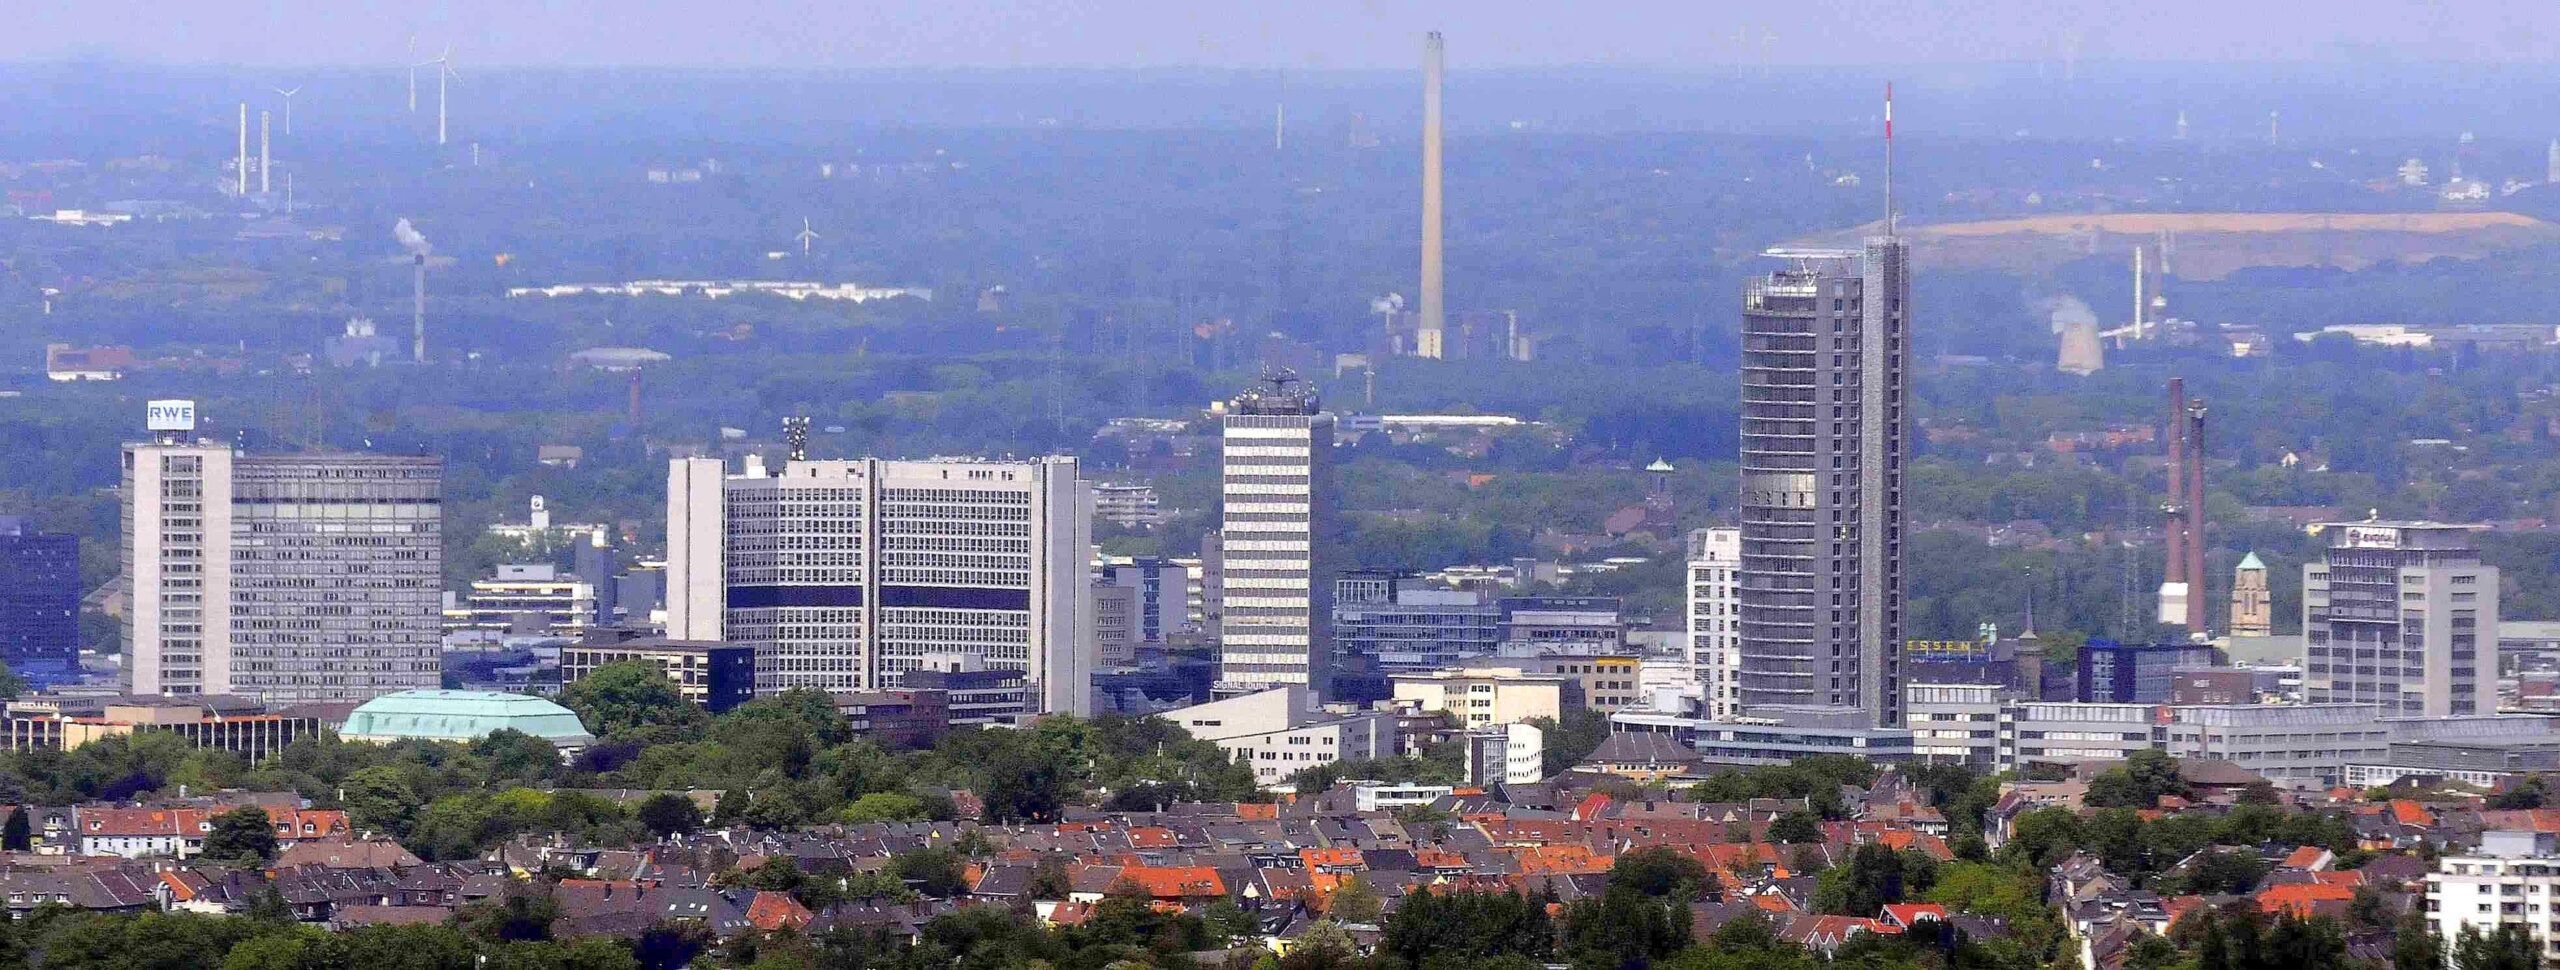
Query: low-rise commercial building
(526,599)
(212,722)
(2300,746)
(899,720)
(716,676)
(1480,698)
(975,695)
(1774,735)
(1954,723)
(1280,732)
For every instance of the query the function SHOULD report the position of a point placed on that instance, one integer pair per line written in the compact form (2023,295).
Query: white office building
(1274,606)
(845,574)
(2513,879)
(286,578)
(1954,723)
(2404,615)
(1281,731)
(1715,638)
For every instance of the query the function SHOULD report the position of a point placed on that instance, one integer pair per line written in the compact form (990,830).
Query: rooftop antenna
(806,234)
(1889,220)
(288,105)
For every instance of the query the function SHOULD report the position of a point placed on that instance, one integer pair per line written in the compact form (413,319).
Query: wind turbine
(806,234)
(288,105)
(444,72)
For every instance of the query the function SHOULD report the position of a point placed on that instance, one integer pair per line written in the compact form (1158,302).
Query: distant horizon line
(2084,68)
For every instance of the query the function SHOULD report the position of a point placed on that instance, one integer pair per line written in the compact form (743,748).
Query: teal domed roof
(462,715)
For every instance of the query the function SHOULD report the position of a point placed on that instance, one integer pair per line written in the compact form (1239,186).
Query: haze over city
(1334,486)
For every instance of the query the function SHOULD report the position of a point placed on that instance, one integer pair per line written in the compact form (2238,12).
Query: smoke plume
(2067,311)
(417,244)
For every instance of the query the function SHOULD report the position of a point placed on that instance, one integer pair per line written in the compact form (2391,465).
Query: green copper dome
(462,715)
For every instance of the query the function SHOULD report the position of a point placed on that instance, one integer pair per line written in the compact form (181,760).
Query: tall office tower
(1824,432)
(1275,602)
(845,574)
(1715,640)
(287,578)
(2252,606)
(39,603)
(1432,314)
(2396,614)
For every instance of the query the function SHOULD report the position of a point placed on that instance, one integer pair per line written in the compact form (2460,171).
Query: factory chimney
(1434,315)
(418,248)
(241,183)
(2182,516)
(265,184)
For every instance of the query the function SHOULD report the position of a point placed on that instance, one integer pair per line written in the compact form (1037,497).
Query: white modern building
(2512,879)
(1275,607)
(2061,732)
(1129,506)
(1954,723)
(1482,698)
(1511,754)
(2404,615)
(1281,732)
(845,574)
(531,598)
(286,578)
(1715,636)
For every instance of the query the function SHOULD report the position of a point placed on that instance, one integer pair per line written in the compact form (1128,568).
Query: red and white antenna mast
(1889,219)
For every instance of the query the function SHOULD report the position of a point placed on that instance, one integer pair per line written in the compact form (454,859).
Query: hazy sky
(1269,33)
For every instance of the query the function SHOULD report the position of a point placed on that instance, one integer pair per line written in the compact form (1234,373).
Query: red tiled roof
(1176,882)
(2306,857)
(1905,914)
(2298,898)
(2407,812)
(1344,858)
(773,911)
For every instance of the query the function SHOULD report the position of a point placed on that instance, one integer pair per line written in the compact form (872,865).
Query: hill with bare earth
(2212,245)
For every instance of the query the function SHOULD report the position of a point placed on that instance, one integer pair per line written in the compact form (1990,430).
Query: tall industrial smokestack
(416,244)
(2174,591)
(265,184)
(2195,517)
(418,310)
(1433,314)
(242,161)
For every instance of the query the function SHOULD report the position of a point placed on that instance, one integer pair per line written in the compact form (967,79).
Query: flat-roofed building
(239,725)
(715,676)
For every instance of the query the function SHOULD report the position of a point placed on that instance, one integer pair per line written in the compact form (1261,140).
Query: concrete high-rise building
(1432,325)
(2252,606)
(845,574)
(1275,605)
(1824,432)
(1715,637)
(2404,615)
(39,603)
(286,578)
